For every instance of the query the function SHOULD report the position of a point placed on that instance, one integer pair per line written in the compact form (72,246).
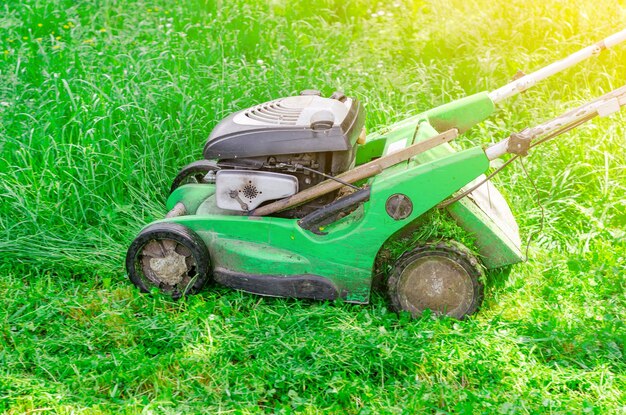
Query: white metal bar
(497,150)
(603,106)
(527,81)
(614,39)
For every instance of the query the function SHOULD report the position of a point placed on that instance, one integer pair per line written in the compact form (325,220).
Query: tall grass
(101,103)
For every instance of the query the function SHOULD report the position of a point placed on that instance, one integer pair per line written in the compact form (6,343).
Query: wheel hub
(166,262)
(170,269)
(437,283)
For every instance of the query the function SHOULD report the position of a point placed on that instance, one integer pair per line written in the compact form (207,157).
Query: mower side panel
(244,255)
(292,286)
(279,248)
(264,242)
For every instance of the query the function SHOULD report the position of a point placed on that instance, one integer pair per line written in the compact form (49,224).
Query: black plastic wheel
(443,277)
(193,173)
(170,257)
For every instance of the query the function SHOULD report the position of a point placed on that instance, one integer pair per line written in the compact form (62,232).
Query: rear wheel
(170,257)
(193,173)
(443,277)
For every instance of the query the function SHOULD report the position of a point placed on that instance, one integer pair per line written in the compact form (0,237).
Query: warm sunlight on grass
(102,102)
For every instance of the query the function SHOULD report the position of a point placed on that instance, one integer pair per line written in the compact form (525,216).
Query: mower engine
(276,149)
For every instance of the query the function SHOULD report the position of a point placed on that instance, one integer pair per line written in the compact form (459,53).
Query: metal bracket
(179,209)
(234,194)
(519,144)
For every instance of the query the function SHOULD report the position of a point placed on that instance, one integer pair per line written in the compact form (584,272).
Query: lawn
(102,101)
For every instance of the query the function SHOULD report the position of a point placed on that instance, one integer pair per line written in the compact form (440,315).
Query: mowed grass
(101,102)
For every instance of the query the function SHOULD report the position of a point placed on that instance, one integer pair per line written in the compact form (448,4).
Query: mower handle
(519,143)
(527,81)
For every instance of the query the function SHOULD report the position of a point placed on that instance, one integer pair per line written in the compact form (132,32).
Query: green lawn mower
(294,200)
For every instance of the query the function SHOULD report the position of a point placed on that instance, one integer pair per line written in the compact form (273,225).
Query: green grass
(101,102)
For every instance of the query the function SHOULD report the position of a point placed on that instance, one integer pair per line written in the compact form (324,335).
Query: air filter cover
(244,190)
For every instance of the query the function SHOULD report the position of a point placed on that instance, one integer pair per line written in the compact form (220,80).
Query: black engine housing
(296,135)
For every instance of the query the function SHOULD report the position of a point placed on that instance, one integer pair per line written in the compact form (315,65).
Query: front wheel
(443,277)
(170,257)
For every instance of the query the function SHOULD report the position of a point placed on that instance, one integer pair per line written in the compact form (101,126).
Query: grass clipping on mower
(434,226)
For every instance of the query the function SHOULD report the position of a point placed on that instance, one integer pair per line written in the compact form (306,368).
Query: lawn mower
(293,199)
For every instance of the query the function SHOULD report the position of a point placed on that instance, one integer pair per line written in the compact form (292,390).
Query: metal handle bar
(527,81)
(519,143)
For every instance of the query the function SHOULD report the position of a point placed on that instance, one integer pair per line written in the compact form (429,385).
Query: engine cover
(307,137)
(243,190)
(292,125)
